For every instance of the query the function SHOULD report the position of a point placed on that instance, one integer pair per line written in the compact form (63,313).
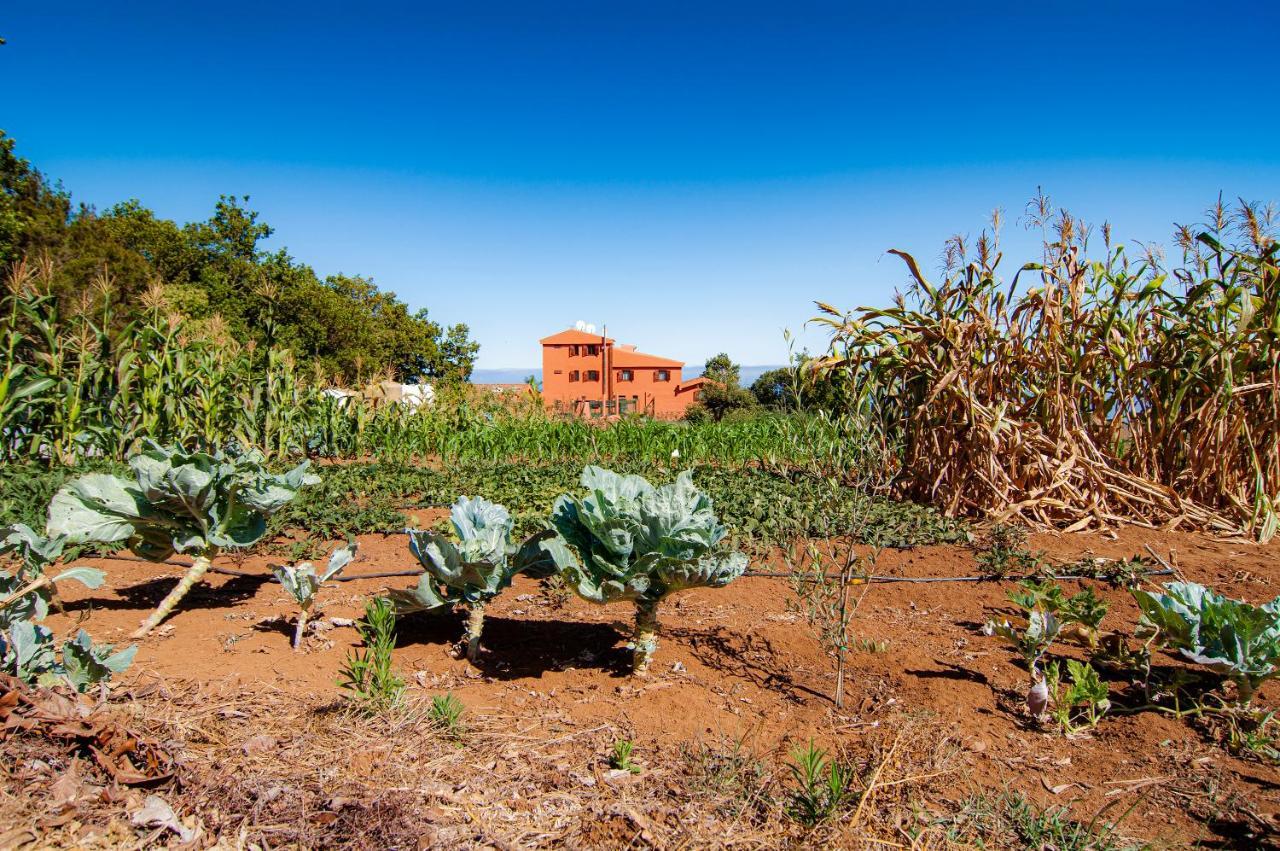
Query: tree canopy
(218,270)
(798,387)
(722,393)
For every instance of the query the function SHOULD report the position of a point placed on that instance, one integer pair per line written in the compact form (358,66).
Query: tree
(344,325)
(721,393)
(33,213)
(722,370)
(457,354)
(797,388)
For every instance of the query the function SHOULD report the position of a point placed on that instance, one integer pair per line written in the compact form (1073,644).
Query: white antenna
(589,328)
(580,325)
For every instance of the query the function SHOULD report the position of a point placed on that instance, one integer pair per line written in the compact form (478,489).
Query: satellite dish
(580,325)
(590,329)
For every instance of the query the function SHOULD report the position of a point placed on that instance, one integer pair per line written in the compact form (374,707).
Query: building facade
(591,375)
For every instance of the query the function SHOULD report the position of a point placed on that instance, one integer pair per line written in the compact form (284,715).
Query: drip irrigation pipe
(879,579)
(230,571)
(775,574)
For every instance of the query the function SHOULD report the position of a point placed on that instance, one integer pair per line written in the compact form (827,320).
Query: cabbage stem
(475,625)
(645,639)
(193,575)
(301,628)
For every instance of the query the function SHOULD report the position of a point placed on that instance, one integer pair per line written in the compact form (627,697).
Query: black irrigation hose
(230,571)
(877,579)
(776,574)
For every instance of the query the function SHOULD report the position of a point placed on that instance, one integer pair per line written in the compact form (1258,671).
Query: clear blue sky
(692,174)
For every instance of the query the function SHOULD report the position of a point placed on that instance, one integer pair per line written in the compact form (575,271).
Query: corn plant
(177,502)
(626,540)
(1111,389)
(303,582)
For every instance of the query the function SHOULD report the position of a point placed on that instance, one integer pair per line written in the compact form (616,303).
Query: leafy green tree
(722,370)
(169,251)
(343,326)
(795,387)
(457,354)
(722,394)
(33,213)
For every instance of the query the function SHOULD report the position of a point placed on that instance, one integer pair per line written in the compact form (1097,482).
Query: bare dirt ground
(268,756)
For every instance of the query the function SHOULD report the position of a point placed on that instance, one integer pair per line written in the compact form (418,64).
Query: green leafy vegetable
(471,571)
(27,648)
(180,502)
(302,582)
(1080,614)
(626,540)
(1081,705)
(1230,637)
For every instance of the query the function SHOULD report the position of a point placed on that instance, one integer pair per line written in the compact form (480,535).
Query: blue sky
(694,175)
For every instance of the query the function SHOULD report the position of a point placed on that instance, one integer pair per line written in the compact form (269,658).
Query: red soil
(737,663)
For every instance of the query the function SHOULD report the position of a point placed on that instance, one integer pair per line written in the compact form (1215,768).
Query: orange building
(588,375)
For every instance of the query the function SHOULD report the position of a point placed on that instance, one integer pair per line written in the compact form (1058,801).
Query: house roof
(694,382)
(572,337)
(625,358)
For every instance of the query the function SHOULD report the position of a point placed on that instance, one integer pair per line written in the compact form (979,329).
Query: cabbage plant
(28,649)
(1230,637)
(303,582)
(626,540)
(176,502)
(26,593)
(471,571)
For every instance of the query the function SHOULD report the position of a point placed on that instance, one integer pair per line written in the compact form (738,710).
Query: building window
(559,371)
(592,351)
(573,351)
(662,375)
(626,375)
(593,375)
(573,375)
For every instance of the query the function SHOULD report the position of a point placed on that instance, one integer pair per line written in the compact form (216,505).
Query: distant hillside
(515,375)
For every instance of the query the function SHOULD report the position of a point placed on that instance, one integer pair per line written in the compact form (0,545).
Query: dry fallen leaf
(155,812)
(261,743)
(1056,790)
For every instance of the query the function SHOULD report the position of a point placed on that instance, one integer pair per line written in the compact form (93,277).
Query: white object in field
(342,394)
(675,454)
(412,396)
